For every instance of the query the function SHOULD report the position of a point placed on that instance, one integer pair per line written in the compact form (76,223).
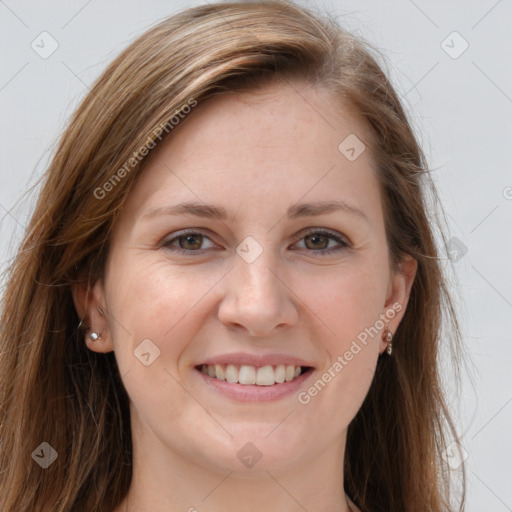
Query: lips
(234,391)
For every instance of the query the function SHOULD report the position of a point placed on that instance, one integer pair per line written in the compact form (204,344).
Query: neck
(164,480)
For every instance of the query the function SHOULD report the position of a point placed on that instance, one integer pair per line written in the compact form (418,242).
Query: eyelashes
(196,237)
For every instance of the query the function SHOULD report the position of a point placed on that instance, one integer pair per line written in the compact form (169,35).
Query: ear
(90,306)
(399,290)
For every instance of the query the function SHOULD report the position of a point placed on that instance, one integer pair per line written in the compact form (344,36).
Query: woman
(229,295)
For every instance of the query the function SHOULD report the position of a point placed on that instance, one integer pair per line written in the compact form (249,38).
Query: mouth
(247,375)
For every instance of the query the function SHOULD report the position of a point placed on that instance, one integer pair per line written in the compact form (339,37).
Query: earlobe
(398,297)
(91,309)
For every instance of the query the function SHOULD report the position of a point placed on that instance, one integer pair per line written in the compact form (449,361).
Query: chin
(251,456)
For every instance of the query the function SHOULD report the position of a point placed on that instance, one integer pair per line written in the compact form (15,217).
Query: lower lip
(253,393)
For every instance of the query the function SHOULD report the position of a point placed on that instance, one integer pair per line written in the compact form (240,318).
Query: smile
(247,383)
(267,375)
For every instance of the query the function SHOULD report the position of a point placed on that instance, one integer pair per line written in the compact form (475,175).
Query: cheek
(150,300)
(346,300)
(153,308)
(346,306)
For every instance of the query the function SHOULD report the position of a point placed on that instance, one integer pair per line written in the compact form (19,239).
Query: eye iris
(312,237)
(197,245)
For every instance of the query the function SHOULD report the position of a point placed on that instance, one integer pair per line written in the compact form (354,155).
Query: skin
(255,154)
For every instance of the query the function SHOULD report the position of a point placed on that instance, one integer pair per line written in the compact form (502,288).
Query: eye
(319,239)
(316,240)
(188,242)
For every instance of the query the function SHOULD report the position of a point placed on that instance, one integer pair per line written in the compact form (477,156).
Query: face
(252,278)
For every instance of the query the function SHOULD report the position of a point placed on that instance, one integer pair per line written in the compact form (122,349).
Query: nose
(258,299)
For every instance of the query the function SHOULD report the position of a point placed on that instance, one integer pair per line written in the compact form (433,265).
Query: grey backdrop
(451,63)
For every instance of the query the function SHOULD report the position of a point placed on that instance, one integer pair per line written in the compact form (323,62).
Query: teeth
(231,373)
(280,373)
(245,374)
(219,372)
(266,376)
(290,373)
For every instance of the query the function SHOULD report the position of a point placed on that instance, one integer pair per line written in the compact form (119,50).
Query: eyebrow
(219,213)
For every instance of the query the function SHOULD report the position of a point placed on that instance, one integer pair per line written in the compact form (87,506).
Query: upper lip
(240,358)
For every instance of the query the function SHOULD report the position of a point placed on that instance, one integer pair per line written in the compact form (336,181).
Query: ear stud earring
(94,336)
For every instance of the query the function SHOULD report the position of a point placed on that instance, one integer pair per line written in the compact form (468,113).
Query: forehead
(281,142)
(280,117)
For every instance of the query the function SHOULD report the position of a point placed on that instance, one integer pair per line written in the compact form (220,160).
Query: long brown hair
(54,389)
